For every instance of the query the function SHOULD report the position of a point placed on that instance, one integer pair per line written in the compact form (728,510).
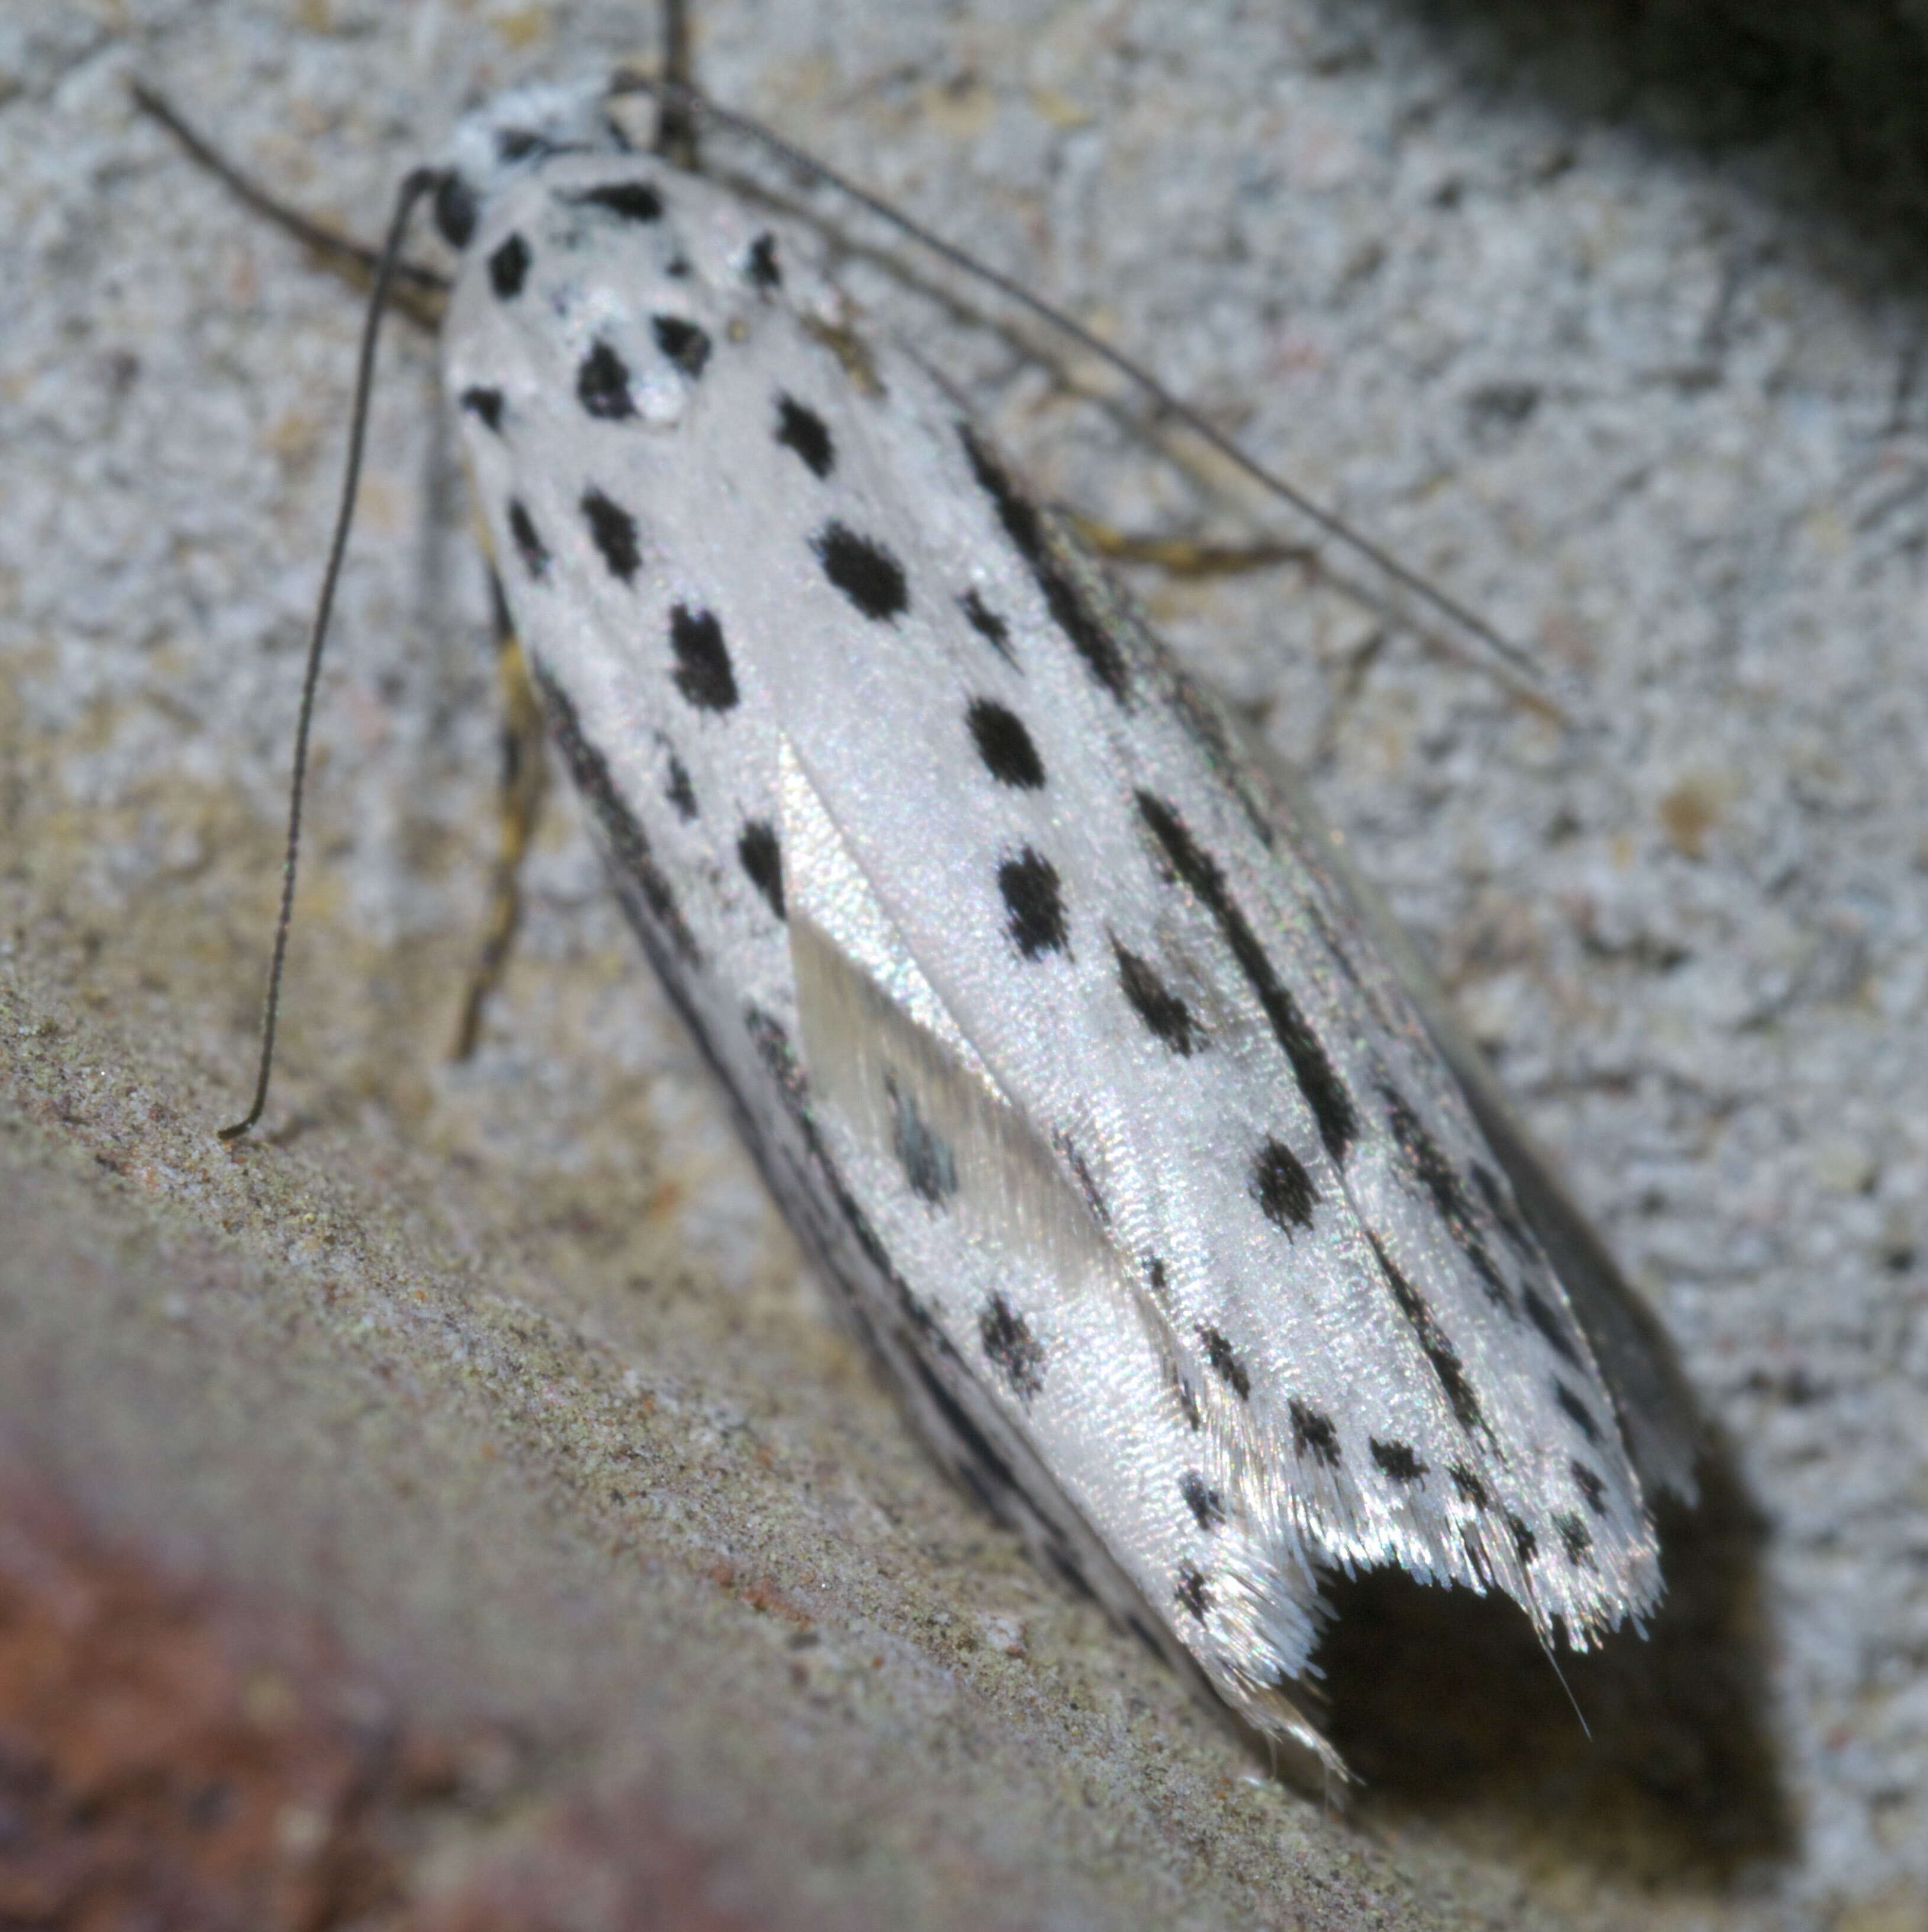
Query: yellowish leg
(1183,556)
(525,778)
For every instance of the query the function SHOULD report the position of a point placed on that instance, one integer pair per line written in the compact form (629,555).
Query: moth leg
(1186,556)
(525,778)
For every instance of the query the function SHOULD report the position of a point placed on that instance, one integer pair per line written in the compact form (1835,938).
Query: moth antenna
(419,182)
(670,93)
(677,118)
(311,233)
(1559,1677)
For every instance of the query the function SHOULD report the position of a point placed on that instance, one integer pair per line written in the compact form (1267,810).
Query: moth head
(512,133)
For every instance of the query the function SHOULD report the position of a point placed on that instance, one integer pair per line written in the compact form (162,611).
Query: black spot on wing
(1089,637)
(613,531)
(926,1158)
(686,345)
(1498,1205)
(628,200)
(1526,1545)
(529,544)
(1437,1175)
(1015,510)
(1325,1093)
(1181,1387)
(1438,1351)
(1313,1435)
(1193,1590)
(1202,1500)
(602,383)
(761,265)
(1590,1485)
(703,673)
(1225,1363)
(1398,1460)
(630,854)
(1491,1279)
(1577,1411)
(988,625)
(1575,1539)
(1431,1167)
(864,571)
(1542,1317)
(766,1033)
(1471,1489)
(800,429)
(1004,744)
(761,859)
(1011,1349)
(485,405)
(1033,905)
(678,790)
(1166,1016)
(1282,1188)
(508,268)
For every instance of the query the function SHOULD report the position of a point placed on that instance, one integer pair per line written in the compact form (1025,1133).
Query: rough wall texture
(506,1377)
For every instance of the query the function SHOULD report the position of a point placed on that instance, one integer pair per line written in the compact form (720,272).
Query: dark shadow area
(1448,1710)
(1825,102)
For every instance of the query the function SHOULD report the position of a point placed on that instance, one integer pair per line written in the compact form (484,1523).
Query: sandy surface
(507,1379)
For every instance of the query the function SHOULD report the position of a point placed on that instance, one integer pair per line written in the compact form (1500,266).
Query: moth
(1195,1239)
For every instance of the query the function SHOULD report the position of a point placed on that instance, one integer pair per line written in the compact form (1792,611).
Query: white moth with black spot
(1197,1252)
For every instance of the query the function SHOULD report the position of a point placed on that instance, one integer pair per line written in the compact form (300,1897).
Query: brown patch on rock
(162,1765)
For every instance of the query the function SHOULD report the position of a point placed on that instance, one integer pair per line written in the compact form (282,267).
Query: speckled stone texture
(506,1376)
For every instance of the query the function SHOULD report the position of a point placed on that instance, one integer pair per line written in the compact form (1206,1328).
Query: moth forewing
(1061,1044)
(1635,1360)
